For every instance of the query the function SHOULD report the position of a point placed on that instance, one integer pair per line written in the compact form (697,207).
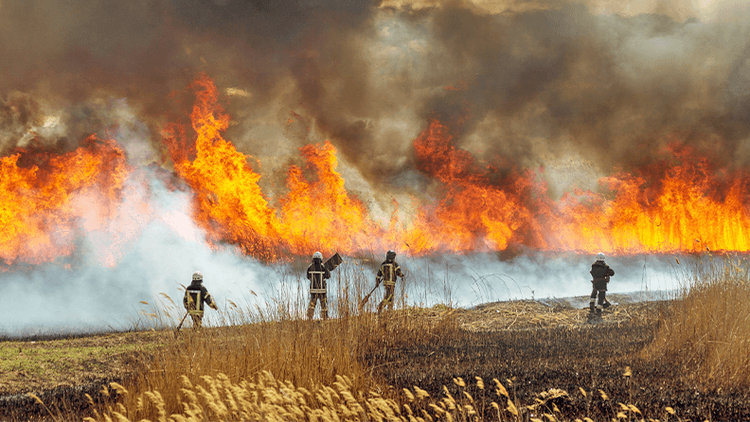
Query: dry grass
(308,355)
(203,374)
(235,374)
(533,314)
(267,399)
(41,365)
(275,366)
(707,331)
(264,398)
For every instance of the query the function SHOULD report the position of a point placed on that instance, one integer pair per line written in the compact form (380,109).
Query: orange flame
(676,206)
(481,209)
(681,206)
(322,215)
(229,203)
(48,200)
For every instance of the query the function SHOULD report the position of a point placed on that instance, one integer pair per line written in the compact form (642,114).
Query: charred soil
(555,358)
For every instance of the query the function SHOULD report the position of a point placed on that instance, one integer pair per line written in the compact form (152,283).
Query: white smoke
(466,281)
(82,294)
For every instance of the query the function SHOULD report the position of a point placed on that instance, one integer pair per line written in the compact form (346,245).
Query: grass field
(520,360)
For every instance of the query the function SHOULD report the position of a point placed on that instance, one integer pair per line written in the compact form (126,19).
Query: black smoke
(551,81)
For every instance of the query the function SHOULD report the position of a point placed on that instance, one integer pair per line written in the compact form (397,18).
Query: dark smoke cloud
(62,54)
(528,85)
(67,55)
(612,88)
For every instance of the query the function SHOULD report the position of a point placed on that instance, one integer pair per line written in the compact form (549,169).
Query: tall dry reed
(707,330)
(275,339)
(264,398)
(309,355)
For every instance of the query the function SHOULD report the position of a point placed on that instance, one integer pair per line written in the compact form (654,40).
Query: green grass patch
(38,365)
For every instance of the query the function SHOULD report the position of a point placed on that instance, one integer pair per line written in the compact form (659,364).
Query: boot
(606,305)
(592,308)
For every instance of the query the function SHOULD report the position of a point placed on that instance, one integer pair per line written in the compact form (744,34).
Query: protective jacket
(196,296)
(317,273)
(388,272)
(601,273)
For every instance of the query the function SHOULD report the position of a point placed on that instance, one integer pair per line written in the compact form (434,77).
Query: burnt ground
(534,348)
(530,346)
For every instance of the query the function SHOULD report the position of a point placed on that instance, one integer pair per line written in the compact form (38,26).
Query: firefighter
(387,273)
(196,297)
(317,273)
(601,274)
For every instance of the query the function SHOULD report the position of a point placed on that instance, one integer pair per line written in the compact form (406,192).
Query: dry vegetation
(510,361)
(707,332)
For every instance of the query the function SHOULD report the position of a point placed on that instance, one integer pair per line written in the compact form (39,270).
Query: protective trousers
(314,298)
(602,298)
(388,298)
(600,290)
(197,317)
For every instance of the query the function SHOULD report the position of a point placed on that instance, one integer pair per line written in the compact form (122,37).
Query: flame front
(322,215)
(480,208)
(229,203)
(49,199)
(678,205)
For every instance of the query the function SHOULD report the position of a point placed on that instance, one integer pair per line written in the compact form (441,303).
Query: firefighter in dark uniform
(387,273)
(317,273)
(601,274)
(196,297)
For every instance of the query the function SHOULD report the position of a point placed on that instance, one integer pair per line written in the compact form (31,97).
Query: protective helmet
(318,255)
(390,255)
(197,276)
(600,256)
